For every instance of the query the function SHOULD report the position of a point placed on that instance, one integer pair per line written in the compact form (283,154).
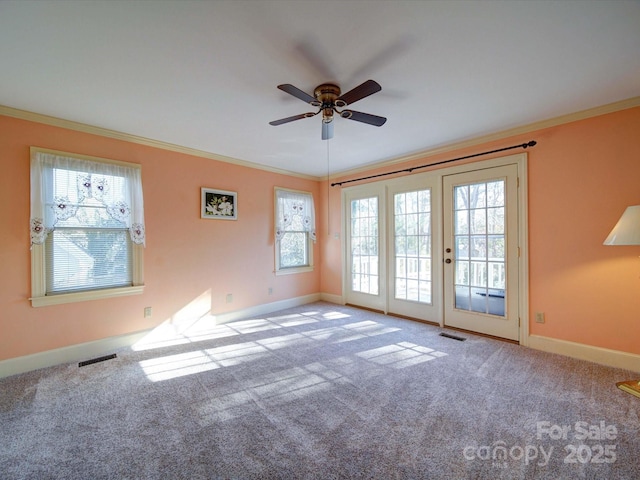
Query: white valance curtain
(72,191)
(295,212)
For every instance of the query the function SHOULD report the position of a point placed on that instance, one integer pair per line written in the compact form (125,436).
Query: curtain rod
(532,143)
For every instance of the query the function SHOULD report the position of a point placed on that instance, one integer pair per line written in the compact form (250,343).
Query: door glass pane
(412,227)
(495,220)
(364,245)
(479,239)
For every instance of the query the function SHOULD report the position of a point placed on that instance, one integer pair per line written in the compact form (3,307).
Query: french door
(413,237)
(441,247)
(365,225)
(481,251)
(392,234)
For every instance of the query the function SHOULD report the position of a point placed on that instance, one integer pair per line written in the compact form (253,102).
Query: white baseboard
(331,298)
(88,350)
(70,354)
(265,308)
(602,356)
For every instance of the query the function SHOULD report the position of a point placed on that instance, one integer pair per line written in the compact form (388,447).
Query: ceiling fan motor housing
(326,94)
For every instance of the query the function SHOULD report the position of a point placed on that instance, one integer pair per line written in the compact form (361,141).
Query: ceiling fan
(328,98)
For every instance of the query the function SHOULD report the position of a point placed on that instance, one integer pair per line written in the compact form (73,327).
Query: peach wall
(582,175)
(331,241)
(589,292)
(186,257)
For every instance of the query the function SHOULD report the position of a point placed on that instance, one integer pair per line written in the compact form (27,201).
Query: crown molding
(531,127)
(511,132)
(105,132)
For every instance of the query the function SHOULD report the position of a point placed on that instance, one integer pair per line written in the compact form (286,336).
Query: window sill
(85,296)
(289,271)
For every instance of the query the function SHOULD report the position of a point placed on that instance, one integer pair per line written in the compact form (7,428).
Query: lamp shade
(627,230)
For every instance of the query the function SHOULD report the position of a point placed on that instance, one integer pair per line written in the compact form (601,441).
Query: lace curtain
(295,213)
(74,192)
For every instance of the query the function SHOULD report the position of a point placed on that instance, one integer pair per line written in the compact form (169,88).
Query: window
(87,228)
(295,231)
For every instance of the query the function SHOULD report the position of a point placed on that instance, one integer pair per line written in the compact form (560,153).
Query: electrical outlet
(539,317)
(229,297)
(147,312)
(270,291)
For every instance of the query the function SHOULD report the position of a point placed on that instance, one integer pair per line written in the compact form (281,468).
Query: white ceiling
(203,74)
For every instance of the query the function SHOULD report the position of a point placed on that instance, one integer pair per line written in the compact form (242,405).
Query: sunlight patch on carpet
(366,328)
(173,366)
(334,315)
(225,407)
(293,320)
(400,355)
(284,341)
(180,365)
(292,385)
(253,325)
(272,389)
(169,334)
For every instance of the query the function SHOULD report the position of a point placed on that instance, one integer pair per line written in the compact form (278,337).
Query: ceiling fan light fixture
(327,115)
(327,130)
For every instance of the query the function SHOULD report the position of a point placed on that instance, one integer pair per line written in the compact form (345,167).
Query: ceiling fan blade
(296,92)
(327,130)
(363,117)
(275,123)
(361,91)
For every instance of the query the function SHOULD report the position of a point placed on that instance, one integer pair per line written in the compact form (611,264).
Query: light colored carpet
(319,392)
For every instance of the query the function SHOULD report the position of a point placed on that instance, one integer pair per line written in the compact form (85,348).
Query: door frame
(520,160)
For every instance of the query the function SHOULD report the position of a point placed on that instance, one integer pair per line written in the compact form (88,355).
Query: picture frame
(218,204)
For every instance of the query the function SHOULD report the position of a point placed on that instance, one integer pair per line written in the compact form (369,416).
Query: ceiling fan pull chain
(328,191)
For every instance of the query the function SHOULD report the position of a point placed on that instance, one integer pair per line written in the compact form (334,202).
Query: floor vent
(454,337)
(96,360)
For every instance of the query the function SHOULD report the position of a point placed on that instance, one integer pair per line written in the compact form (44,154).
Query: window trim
(290,270)
(39,298)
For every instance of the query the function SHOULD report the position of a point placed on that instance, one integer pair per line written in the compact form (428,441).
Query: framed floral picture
(218,204)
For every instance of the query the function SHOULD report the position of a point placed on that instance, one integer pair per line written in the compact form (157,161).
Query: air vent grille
(453,337)
(96,360)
